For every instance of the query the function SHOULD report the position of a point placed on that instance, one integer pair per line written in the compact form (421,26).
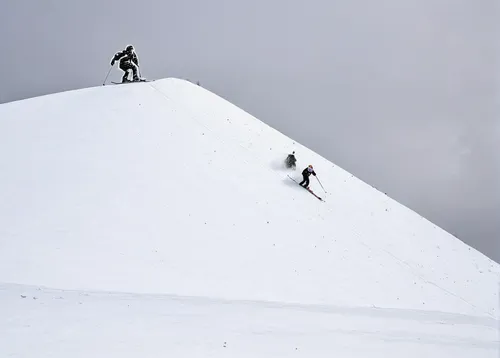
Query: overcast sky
(401,93)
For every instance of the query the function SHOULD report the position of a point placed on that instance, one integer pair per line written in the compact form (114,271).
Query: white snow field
(156,220)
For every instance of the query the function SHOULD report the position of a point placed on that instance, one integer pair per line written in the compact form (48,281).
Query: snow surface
(156,219)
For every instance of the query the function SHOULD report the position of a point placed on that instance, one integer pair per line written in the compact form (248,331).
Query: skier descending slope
(306,173)
(309,190)
(128,62)
(290,161)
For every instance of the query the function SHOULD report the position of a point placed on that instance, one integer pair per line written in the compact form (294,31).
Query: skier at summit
(290,161)
(128,62)
(306,173)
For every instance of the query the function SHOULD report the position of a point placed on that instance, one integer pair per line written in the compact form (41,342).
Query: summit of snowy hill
(165,204)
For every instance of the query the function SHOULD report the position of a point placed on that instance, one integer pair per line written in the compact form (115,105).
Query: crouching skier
(306,173)
(128,62)
(290,161)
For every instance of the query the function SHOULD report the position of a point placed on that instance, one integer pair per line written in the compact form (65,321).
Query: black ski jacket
(306,173)
(126,56)
(291,159)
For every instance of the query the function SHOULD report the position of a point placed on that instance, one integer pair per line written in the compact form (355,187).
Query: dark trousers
(305,181)
(127,66)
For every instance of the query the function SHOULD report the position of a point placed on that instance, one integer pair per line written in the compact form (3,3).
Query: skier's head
(130,48)
(310,168)
(293,152)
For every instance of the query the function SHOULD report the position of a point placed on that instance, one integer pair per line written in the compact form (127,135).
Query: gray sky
(401,93)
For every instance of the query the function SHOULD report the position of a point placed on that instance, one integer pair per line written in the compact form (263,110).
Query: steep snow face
(165,188)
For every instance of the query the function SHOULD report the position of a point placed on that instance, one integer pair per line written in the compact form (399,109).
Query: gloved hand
(112,62)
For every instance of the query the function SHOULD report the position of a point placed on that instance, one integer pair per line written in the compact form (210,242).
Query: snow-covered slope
(165,209)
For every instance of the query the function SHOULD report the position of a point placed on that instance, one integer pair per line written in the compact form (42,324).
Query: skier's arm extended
(117,57)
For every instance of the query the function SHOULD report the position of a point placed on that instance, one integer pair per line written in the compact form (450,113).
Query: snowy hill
(156,219)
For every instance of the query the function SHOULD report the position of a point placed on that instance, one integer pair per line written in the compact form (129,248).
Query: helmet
(130,48)
(310,166)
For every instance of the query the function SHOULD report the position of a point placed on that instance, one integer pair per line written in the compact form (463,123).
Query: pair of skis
(126,82)
(309,190)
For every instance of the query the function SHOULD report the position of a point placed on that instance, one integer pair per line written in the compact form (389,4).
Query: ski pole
(320,184)
(107,75)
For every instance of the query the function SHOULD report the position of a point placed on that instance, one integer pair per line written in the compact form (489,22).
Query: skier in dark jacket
(290,161)
(306,173)
(128,62)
